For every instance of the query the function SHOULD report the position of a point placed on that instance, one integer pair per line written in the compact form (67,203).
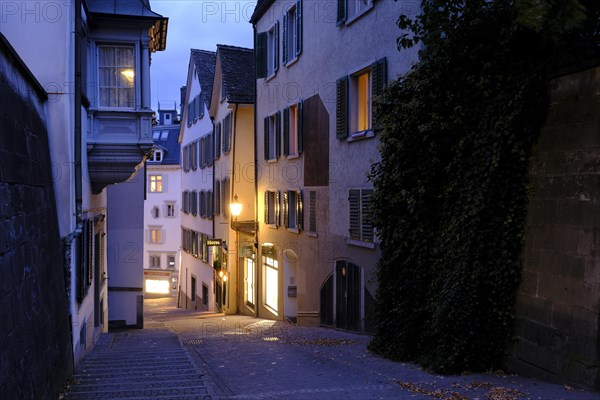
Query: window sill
(271,160)
(359,243)
(356,16)
(293,156)
(312,234)
(360,135)
(293,230)
(269,77)
(291,62)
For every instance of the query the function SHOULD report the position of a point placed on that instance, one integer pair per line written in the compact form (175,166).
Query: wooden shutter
(261,55)
(284,50)
(286,210)
(286,131)
(277,208)
(298,27)
(312,218)
(267,207)
(202,145)
(276,46)
(300,126)
(200,106)
(366,215)
(342,108)
(341,12)
(299,210)
(354,214)
(266,138)
(378,84)
(278,134)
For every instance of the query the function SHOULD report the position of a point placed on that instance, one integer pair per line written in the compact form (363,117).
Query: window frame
(272,208)
(358,210)
(292,33)
(151,261)
(293,139)
(115,45)
(156,182)
(272,137)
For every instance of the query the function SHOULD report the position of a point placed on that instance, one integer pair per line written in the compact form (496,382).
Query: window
(170,210)
(155,212)
(354,113)
(203,204)
(204,294)
(171,261)
(227,134)
(154,261)
(360,226)
(156,235)
(250,281)
(217,140)
(226,197)
(272,208)
(272,136)
(193,287)
(185,159)
(195,109)
(293,213)
(194,156)
(217,198)
(116,77)
(194,203)
(185,201)
(292,32)
(271,267)
(312,218)
(267,51)
(349,10)
(157,156)
(292,130)
(209,204)
(156,183)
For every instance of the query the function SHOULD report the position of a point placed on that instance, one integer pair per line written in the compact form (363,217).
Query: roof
(170,145)
(237,68)
(204,62)
(261,7)
(138,9)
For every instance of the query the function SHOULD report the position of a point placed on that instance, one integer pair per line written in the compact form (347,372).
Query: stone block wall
(35,344)
(559,299)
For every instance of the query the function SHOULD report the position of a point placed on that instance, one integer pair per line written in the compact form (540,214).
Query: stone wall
(558,301)
(35,344)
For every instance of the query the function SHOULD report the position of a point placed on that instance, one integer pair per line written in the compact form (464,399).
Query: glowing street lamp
(235,207)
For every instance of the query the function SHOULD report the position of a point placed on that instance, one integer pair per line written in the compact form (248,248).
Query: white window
(271,267)
(272,138)
(170,210)
(292,130)
(292,32)
(171,261)
(116,76)
(154,261)
(157,156)
(354,100)
(349,10)
(156,235)
(156,183)
(273,49)
(250,281)
(360,223)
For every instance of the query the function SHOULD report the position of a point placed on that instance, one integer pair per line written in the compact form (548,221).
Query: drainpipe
(237,245)
(77,109)
(256,266)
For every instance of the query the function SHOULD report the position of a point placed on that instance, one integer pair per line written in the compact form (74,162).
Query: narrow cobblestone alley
(189,355)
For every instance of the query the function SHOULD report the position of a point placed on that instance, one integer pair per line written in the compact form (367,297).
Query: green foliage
(451,187)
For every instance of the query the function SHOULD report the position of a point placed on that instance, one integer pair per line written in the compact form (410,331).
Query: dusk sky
(198,24)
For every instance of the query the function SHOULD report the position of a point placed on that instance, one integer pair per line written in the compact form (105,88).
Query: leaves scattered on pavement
(493,392)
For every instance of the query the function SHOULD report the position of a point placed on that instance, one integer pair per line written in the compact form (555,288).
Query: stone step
(125,386)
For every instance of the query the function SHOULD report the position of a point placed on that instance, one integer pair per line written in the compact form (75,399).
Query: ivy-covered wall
(558,303)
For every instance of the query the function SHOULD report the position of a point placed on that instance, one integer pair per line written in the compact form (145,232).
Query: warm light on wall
(128,74)
(157,286)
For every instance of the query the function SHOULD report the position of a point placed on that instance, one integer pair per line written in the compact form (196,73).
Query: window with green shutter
(292,32)
(341,126)
(272,136)
(360,223)
(261,55)
(292,130)
(271,207)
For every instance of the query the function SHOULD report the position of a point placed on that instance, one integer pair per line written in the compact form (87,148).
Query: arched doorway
(342,302)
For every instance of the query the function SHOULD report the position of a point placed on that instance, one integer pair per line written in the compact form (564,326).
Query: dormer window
(157,156)
(116,76)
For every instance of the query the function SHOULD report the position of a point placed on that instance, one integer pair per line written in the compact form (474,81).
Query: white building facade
(197,267)
(162,215)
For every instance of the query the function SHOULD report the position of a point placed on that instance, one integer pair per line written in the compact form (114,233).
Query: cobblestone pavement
(237,357)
